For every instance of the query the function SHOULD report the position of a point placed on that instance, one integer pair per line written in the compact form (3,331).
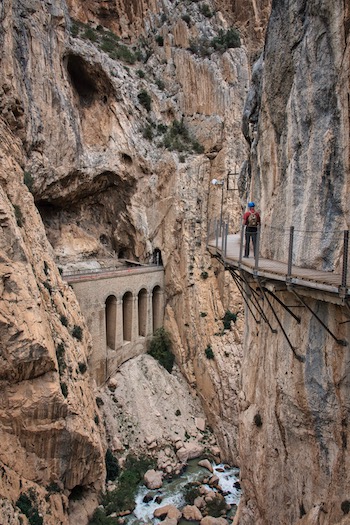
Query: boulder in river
(206,464)
(189,451)
(191,513)
(169,511)
(153,479)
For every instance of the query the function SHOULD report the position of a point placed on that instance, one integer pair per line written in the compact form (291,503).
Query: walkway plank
(276,270)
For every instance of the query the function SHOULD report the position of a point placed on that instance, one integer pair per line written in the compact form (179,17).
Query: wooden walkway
(274,270)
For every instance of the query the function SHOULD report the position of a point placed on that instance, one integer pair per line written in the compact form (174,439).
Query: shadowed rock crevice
(92,97)
(90,212)
(77,186)
(89,81)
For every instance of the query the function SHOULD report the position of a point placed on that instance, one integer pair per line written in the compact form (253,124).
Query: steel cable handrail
(324,250)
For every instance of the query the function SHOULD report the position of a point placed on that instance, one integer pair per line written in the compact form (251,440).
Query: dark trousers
(250,235)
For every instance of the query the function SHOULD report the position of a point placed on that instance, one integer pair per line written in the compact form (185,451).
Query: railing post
(345,264)
(216,234)
(257,248)
(223,229)
(226,235)
(241,245)
(290,253)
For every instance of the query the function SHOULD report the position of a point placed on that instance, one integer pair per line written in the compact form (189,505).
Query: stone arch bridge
(122,309)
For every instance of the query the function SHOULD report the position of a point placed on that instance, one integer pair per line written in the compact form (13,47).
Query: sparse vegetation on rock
(160,349)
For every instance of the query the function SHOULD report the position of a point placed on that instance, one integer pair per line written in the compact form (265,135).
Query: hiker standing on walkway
(251,221)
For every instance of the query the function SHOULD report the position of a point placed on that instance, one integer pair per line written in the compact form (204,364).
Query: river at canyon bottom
(172,491)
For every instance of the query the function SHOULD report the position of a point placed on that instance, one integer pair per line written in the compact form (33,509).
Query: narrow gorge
(128,129)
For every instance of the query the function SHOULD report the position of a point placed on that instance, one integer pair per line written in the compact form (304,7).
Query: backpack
(252,220)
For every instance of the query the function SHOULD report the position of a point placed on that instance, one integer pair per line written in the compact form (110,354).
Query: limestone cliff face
(88,130)
(50,440)
(294,423)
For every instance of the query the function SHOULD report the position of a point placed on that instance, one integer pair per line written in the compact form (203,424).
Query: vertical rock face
(127,18)
(294,423)
(48,434)
(117,157)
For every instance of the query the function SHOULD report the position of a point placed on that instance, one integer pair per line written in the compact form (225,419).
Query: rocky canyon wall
(115,116)
(294,423)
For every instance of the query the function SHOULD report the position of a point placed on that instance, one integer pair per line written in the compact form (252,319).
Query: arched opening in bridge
(111,321)
(156,308)
(142,311)
(127,316)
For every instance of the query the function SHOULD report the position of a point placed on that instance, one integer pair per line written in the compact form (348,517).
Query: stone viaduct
(122,309)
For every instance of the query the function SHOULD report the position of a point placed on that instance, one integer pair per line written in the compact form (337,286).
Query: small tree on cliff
(160,348)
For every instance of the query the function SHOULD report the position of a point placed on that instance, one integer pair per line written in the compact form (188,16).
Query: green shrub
(145,100)
(99,518)
(162,128)
(108,45)
(123,53)
(97,419)
(160,349)
(77,332)
(160,84)
(82,367)
(226,39)
(197,148)
(105,40)
(90,34)
(209,352)
(205,10)
(228,317)
(27,507)
(64,320)
(140,57)
(112,466)
(53,488)
(160,40)
(203,314)
(178,412)
(204,275)
(60,354)
(123,498)
(147,132)
(75,28)
(186,18)
(140,73)
(28,180)
(178,138)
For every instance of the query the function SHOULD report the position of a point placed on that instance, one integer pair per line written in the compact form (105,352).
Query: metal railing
(319,250)
(110,270)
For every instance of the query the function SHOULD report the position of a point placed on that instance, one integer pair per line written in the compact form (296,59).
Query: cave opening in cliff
(157,257)
(81,79)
